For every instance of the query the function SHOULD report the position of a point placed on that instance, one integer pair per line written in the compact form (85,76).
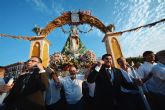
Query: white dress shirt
(3,95)
(52,93)
(143,72)
(145,69)
(128,76)
(73,89)
(91,87)
(159,79)
(159,71)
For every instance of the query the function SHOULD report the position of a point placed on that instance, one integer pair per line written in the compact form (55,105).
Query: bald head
(122,62)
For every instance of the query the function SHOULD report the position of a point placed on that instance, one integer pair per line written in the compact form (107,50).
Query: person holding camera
(27,92)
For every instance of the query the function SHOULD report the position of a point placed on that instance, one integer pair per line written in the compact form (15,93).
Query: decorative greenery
(135,59)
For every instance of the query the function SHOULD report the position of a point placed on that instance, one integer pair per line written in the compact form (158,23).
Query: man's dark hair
(147,53)
(105,55)
(2,67)
(39,59)
(71,66)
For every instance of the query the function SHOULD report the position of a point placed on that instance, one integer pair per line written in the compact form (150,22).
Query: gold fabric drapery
(22,37)
(112,33)
(134,29)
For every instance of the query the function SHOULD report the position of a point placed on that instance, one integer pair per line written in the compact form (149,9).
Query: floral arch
(84,17)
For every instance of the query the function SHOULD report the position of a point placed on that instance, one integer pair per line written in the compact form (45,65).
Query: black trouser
(105,104)
(56,106)
(89,103)
(78,106)
(130,101)
(157,101)
(2,107)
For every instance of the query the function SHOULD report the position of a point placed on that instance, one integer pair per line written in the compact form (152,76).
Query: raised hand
(100,63)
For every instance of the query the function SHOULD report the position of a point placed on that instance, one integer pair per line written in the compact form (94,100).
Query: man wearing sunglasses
(27,92)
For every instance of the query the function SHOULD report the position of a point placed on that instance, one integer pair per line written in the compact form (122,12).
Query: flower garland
(60,62)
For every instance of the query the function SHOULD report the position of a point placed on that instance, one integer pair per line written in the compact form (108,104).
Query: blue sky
(18,17)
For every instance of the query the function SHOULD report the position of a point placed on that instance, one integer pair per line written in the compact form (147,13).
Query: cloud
(95,31)
(57,7)
(48,7)
(140,13)
(39,5)
(108,2)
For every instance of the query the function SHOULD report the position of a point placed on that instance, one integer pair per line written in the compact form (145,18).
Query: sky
(19,17)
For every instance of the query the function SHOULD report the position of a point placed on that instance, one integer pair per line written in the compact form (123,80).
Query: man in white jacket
(158,87)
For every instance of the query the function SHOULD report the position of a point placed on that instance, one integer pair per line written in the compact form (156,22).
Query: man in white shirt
(131,99)
(145,74)
(158,87)
(145,69)
(73,90)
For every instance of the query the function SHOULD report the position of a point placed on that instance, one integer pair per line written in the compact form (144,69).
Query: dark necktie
(109,74)
(25,81)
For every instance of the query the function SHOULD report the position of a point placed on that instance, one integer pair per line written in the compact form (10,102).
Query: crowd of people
(103,87)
